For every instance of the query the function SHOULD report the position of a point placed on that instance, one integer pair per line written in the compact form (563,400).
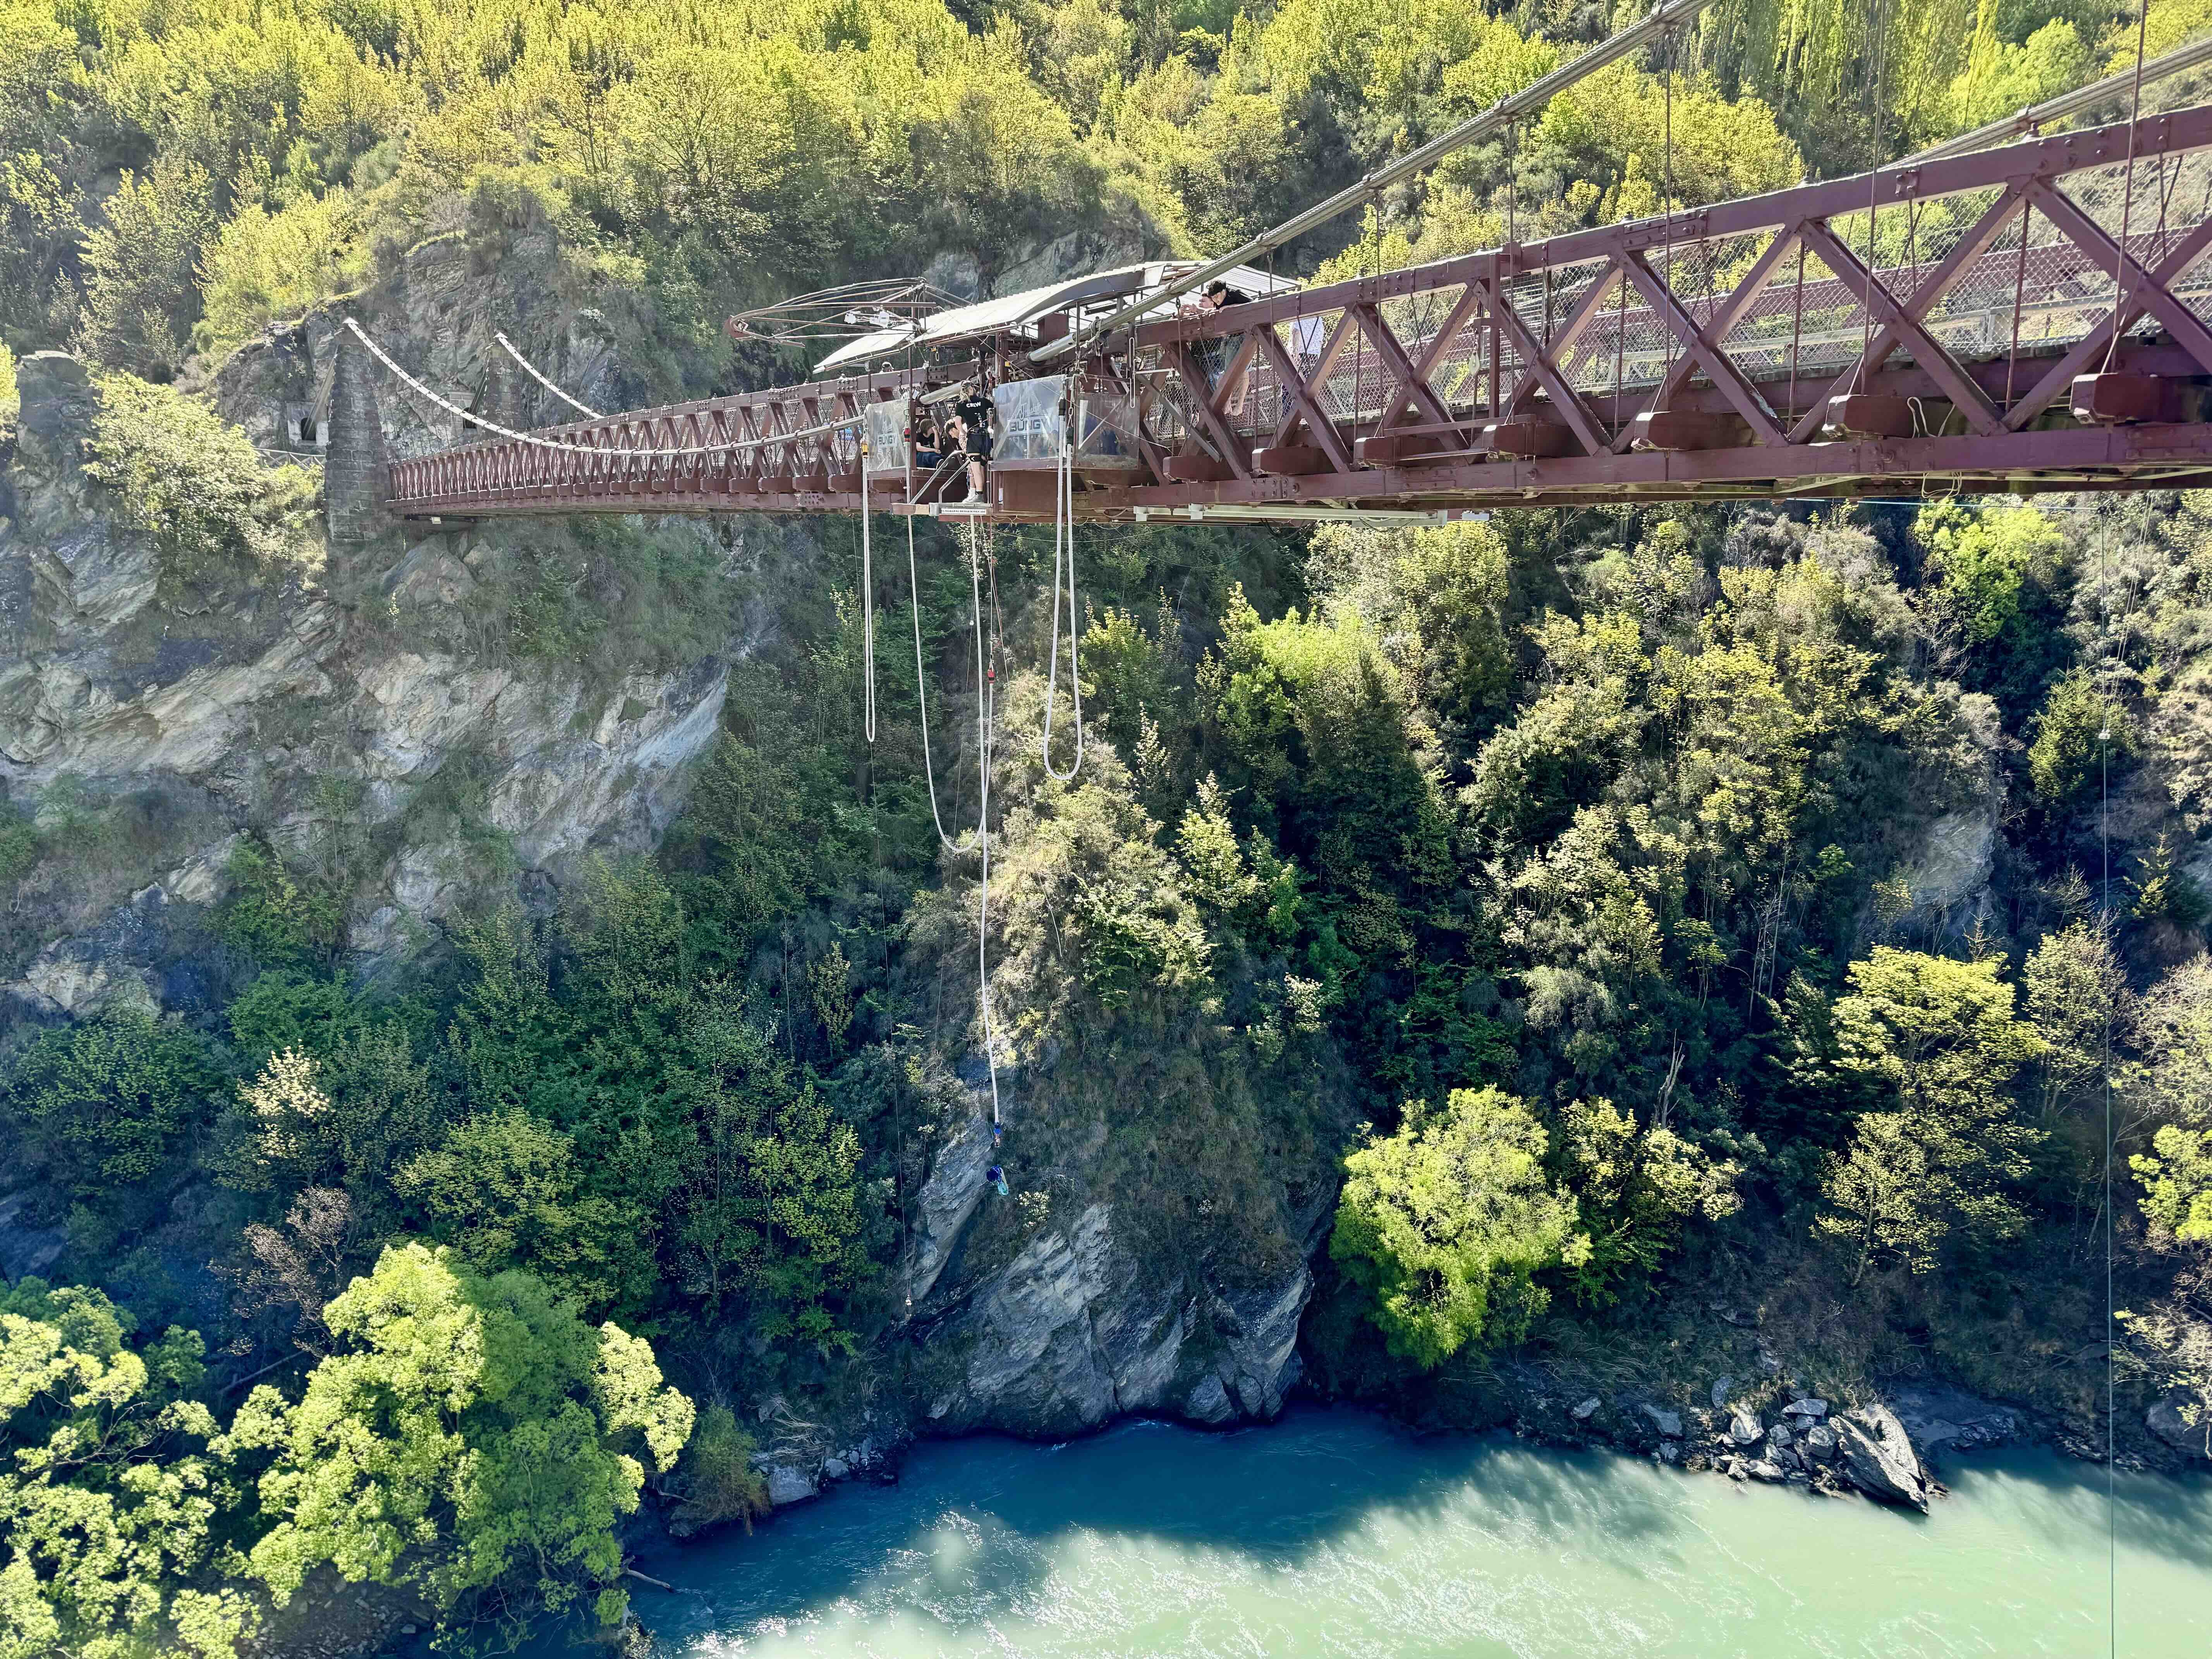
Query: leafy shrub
(1446,1224)
(181,474)
(265,264)
(281,918)
(104,1104)
(716,1482)
(479,1417)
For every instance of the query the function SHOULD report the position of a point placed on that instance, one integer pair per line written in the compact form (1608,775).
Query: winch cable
(535,374)
(1063,517)
(986,701)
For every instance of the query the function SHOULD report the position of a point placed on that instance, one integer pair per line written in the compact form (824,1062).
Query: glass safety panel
(1034,416)
(1031,426)
(886,434)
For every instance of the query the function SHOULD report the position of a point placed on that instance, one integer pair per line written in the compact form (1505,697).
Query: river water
(1333,1533)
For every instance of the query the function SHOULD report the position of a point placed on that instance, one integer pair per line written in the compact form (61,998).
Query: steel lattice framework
(1926,328)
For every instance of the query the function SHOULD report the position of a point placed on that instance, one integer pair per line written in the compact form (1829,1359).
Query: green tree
(2076,731)
(1446,1223)
(1634,1186)
(2167,1088)
(108,1103)
(140,291)
(471,1439)
(504,1191)
(112,1506)
(1934,1168)
(182,475)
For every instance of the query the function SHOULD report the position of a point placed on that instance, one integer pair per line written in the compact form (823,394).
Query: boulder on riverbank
(2169,1419)
(1878,1457)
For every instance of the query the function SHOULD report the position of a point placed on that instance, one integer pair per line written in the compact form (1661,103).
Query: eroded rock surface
(1879,1458)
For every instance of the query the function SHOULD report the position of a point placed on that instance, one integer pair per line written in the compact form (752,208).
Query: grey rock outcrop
(1070,1335)
(1878,1457)
(1668,1423)
(1948,1418)
(270,704)
(2169,1419)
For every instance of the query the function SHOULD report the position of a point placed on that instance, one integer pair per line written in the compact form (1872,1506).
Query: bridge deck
(1695,356)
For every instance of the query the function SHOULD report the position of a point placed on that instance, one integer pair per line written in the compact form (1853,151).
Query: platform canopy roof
(1010,312)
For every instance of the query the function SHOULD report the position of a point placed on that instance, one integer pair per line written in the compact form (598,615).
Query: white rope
(531,370)
(867,605)
(454,409)
(921,691)
(985,698)
(1063,515)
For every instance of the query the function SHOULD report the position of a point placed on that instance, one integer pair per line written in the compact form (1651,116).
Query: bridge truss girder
(1695,356)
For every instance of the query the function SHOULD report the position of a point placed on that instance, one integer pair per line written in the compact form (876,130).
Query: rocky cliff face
(1085,1324)
(366,714)
(326,707)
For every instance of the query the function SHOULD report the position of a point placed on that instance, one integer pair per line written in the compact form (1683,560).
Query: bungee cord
(921,690)
(1063,517)
(531,370)
(986,701)
(867,607)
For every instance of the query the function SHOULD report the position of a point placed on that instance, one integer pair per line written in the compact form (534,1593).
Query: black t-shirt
(976,415)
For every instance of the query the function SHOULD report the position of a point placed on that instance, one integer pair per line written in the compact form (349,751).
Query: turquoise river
(1333,1533)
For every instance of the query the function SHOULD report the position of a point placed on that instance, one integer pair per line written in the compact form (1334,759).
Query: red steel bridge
(2026,319)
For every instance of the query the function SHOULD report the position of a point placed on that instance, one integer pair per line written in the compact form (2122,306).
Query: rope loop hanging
(1063,553)
(921,692)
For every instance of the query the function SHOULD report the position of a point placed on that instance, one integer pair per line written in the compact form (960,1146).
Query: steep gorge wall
(319,709)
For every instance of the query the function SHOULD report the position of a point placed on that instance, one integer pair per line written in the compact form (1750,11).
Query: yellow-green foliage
(477,1417)
(1446,1224)
(109,1502)
(193,482)
(711,152)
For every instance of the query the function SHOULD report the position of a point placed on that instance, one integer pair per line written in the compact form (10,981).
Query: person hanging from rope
(997,1177)
(973,415)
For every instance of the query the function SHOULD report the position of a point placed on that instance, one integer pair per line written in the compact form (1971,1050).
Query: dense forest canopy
(1613,901)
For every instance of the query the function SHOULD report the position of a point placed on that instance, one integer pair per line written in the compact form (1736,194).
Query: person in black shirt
(1215,355)
(974,412)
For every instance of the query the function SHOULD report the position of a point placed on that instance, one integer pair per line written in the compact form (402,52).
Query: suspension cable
(456,411)
(1063,516)
(531,370)
(986,700)
(2120,299)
